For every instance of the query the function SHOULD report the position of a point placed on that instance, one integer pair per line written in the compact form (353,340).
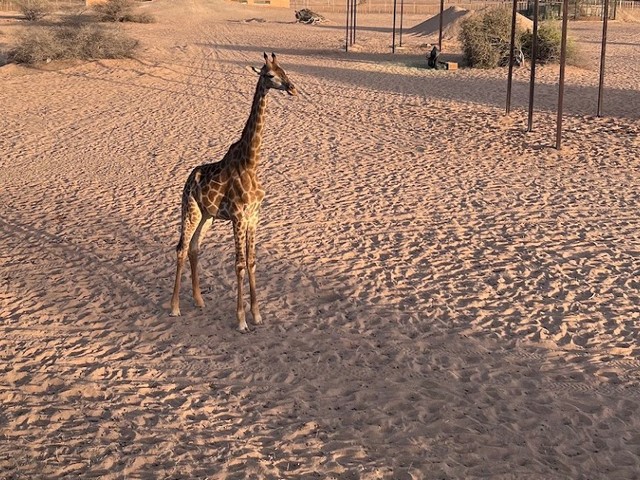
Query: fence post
(534,58)
(401,19)
(602,55)
(440,31)
(563,59)
(393,44)
(511,54)
(346,27)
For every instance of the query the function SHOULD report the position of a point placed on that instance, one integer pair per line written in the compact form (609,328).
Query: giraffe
(229,190)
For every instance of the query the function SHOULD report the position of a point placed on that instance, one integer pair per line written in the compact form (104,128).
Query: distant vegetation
(486,37)
(34,10)
(549,42)
(75,37)
(74,41)
(122,11)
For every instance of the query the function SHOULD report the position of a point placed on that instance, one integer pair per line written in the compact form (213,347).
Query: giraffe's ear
(254,69)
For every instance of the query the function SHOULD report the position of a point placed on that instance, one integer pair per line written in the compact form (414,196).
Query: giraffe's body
(229,190)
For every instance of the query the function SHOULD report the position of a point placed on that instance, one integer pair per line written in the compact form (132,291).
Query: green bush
(34,10)
(549,43)
(121,11)
(65,42)
(486,37)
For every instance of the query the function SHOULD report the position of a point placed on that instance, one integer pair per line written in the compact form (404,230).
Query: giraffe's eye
(270,75)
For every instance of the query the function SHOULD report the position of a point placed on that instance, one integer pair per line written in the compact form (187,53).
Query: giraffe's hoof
(175,313)
(257,319)
(199,302)
(243,328)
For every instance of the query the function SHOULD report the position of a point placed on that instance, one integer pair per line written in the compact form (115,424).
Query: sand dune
(444,295)
(452,18)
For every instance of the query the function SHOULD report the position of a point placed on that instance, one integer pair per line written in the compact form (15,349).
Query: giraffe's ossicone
(230,190)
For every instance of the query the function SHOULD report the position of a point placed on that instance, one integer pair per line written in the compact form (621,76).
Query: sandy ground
(445,295)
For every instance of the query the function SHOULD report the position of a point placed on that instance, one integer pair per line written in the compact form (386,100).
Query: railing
(386,6)
(578,9)
(585,8)
(6,6)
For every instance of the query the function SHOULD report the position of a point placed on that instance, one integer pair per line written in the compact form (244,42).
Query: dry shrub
(140,17)
(486,37)
(549,43)
(65,42)
(122,11)
(34,10)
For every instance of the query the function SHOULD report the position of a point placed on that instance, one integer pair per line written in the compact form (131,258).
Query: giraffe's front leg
(240,237)
(251,267)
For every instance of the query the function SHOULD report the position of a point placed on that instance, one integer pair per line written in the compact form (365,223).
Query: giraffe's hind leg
(191,216)
(251,270)
(194,248)
(240,236)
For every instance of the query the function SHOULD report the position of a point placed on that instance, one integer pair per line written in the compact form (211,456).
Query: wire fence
(551,9)
(578,8)
(386,6)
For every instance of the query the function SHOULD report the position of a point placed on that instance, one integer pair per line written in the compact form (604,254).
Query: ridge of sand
(452,18)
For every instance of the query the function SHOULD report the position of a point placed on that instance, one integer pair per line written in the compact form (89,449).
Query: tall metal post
(534,59)
(355,19)
(346,41)
(563,60)
(393,45)
(353,24)
(511,52)
(602,55)
(440,31)
(401,18)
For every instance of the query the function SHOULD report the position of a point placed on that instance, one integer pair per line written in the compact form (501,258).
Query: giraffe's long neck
(251,139)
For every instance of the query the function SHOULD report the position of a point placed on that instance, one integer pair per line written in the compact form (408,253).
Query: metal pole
(346,40)
(401,16)
(511,51)
(351,22)
(602,56)
(393,45)
(563,59)
(353,6)
(534,59)
(440,34)
(355,19)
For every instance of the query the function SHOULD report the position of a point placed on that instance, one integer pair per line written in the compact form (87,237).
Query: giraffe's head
(274,76)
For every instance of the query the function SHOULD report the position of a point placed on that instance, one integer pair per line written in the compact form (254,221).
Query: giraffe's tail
(194,178)
(183,217)
(180,243)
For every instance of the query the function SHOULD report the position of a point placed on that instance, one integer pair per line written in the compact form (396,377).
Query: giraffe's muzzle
(291,90)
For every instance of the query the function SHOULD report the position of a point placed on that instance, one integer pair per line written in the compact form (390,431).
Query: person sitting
(432,60)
